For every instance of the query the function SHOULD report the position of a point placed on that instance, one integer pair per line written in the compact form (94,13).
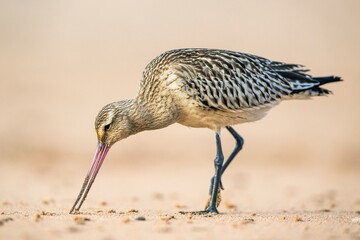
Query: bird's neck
(150,116)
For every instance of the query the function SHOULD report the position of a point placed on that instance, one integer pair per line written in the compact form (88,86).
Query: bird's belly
(217,119)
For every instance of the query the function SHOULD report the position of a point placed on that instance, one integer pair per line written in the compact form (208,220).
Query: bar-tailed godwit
(202,88)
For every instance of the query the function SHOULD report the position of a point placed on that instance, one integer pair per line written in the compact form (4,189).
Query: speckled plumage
(215,88)
(205,88)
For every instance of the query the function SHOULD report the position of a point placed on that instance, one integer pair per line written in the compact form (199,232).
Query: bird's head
(112,124)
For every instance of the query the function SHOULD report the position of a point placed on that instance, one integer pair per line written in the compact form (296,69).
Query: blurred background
(61,61)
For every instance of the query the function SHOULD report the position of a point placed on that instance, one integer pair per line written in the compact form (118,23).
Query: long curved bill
(100,154)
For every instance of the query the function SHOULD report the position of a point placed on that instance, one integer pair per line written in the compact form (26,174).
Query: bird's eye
(106,127)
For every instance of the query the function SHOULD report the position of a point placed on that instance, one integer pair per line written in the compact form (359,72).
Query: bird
(202,88)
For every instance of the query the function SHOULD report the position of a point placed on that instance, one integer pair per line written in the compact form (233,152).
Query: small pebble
(140,219)
(103,203)
(81,219)
(111,211)
(297,219)
(247,221)
(132,211)
(43,213)
(166,218)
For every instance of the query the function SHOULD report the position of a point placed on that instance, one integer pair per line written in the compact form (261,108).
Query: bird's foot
(207,212)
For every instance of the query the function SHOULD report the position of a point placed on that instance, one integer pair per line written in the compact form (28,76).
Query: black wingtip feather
(317,90)
(328,79)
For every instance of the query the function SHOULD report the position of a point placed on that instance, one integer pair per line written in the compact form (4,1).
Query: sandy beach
(297,176)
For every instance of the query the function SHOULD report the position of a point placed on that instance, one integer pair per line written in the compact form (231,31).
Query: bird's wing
(226,80)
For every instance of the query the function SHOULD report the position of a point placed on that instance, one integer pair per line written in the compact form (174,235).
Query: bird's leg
(216,179)
(238,146)
(218,162)
(215,191)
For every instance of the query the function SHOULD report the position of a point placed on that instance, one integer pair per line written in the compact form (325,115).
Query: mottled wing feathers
(227,80)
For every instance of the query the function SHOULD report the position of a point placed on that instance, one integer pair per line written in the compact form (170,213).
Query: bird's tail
(317,90)
(328,79)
